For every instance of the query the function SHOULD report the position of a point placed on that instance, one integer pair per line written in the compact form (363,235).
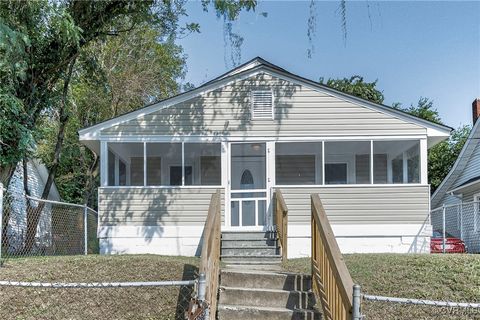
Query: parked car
(452,244)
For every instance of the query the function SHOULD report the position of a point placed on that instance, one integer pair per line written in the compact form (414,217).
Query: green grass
(434,277)
(437,277)
(112,303)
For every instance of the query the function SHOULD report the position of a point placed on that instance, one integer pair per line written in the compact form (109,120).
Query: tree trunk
(6,174)
(34,217)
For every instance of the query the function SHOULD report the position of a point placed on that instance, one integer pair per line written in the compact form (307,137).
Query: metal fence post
(443,228)
(1,221)
(85,229)
(202,288)
(356,315)
(202,282)
(461,220)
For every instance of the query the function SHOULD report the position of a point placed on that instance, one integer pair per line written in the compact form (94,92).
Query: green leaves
(15,138)
(13,65)
(424,109)
(358,87)
(229,9)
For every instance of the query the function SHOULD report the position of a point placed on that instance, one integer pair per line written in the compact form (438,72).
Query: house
(17,206)
(253,129)
(459,192)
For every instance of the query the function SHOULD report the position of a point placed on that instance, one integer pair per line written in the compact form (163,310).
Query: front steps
(253,250)
(265,295)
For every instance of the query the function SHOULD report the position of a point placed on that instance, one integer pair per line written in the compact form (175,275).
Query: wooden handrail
(331,280)
(281,221)
(210,256)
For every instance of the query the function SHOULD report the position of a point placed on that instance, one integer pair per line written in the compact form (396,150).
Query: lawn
(434,277)
(437,277)
(112,303)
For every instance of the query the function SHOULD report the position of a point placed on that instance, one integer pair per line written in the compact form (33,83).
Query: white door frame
(269,183)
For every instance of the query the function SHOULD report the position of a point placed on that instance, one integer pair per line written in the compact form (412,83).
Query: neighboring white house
(460,190)
(253,129)
(17,206)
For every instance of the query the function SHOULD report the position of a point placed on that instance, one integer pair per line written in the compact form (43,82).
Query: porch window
(347,162)
(125,164)
(298,163)
(203,164)
(163,164)
(396,161)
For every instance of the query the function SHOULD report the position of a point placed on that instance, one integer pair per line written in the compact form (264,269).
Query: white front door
(248,189)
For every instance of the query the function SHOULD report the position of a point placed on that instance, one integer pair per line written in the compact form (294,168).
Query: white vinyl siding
(466,167)
(298,111)
(154,206)
(472,169)
(360,205)
(262,104)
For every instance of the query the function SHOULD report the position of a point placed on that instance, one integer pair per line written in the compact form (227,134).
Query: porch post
(423,161)
(103,164)
(225,181)
(270,179)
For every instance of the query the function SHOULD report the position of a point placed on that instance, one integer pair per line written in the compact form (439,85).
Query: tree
(130,70)
(356,86)
(46,39)
(442,156)
(424,109)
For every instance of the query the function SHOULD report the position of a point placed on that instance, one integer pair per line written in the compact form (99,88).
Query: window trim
(252,113)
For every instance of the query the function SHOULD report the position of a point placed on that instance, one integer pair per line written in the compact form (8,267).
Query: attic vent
(262,104)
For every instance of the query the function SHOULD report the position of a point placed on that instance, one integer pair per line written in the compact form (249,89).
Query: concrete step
(251,259)
(254,267)
(249,243)
(267,280)
(250,251)
(227,312)
(270,298)
(250,235)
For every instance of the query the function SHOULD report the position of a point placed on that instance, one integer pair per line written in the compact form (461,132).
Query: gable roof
(469,147)
(247,69)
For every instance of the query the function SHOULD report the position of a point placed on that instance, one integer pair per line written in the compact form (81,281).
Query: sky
(414,49)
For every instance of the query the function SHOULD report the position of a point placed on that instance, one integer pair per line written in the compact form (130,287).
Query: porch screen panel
(111,168)
(122,173)
(396,161)
(298,163)
(204,159)
(380,168)
(125,164)
(136,171)
(347,162)
(164,163)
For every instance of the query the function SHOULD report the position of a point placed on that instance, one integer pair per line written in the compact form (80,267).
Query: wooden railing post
(210,258)
(331,281)
(281,221)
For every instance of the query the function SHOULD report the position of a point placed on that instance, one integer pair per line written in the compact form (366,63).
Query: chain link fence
(37,227)
(455,227)
(119,300)
(382,307)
